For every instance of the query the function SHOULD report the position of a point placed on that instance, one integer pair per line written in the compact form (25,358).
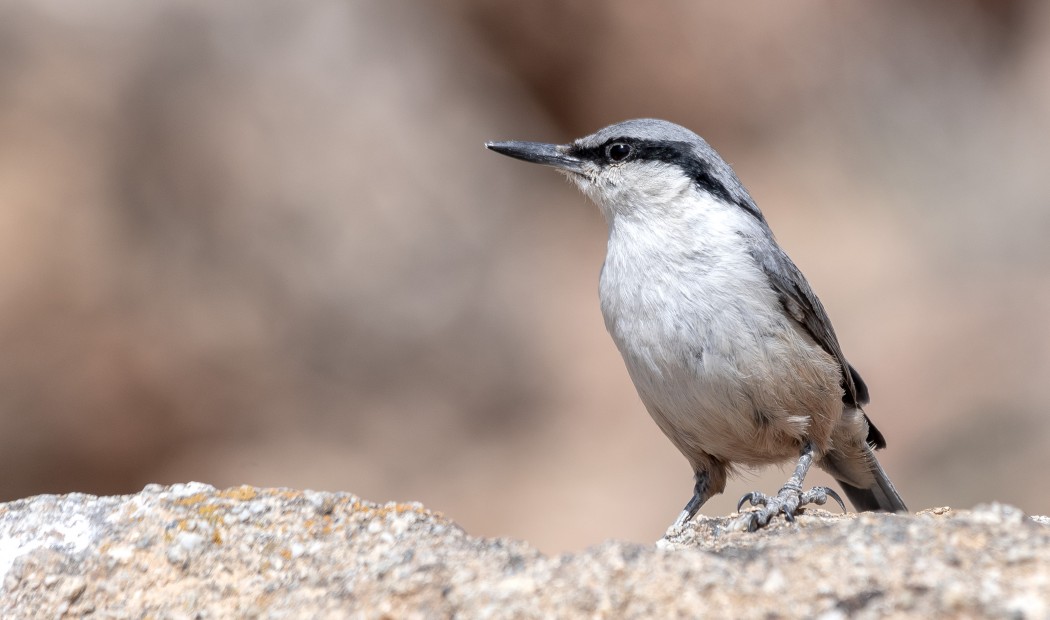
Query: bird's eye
(618,151)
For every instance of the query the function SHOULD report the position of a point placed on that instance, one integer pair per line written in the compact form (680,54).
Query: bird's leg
(701,491)
(790,498)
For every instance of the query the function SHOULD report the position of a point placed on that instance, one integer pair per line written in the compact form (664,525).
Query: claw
(789,502)
(835,496)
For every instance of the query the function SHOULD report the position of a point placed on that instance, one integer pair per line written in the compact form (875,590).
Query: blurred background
(259,242)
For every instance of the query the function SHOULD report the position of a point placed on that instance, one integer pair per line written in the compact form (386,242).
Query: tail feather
(880,496)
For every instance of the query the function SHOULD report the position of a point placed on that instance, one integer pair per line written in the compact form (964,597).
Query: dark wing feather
(802,304)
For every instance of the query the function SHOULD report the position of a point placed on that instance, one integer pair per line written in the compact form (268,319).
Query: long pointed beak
(553,155)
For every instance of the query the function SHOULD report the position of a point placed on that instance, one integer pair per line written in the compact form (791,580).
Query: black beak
(553,155)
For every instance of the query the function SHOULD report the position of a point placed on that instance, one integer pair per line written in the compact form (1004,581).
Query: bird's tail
(880,495)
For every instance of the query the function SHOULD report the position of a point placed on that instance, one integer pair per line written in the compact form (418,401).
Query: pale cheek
(589,189)
(653,187)
(659,188)
(600,190)
(617,191)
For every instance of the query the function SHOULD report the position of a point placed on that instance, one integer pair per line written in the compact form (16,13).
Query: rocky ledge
(191,551)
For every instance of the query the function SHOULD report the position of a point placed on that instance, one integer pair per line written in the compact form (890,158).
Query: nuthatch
(730,350)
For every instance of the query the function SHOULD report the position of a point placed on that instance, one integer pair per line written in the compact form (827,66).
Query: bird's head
(639,168)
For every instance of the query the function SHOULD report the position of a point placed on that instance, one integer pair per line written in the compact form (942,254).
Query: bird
(730,350)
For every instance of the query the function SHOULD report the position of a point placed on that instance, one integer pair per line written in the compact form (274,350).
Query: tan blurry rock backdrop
(261,243)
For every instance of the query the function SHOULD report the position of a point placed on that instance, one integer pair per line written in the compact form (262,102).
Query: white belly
(721,369)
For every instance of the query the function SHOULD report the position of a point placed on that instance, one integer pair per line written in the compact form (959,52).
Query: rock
(190,550)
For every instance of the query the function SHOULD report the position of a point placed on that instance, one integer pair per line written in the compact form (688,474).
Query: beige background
(260,242)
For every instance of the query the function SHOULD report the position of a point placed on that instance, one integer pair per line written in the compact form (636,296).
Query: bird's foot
(788,501)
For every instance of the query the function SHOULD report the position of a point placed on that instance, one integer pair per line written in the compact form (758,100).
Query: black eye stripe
(672,153)
(650,150)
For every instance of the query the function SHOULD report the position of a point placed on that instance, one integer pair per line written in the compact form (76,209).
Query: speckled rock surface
(191,551)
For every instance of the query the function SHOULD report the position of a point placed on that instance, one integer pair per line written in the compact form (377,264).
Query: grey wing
(802,305)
